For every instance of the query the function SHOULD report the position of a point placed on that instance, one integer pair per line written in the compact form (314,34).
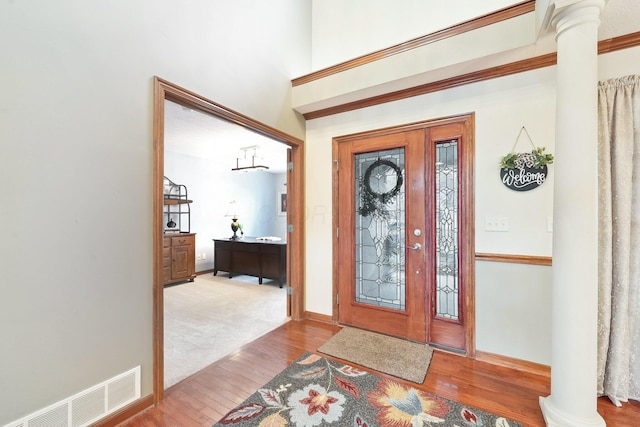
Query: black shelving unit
(177,208)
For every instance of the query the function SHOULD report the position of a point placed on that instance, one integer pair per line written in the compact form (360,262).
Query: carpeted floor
(211,317)
(394,356)
(315,391)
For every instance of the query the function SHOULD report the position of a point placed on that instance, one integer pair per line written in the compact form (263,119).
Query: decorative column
(573,399)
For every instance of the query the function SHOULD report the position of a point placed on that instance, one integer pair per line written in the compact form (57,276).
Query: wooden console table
(266,259)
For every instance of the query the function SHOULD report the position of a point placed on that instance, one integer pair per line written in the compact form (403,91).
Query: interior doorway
(404,246)
(165,91)
(203,320)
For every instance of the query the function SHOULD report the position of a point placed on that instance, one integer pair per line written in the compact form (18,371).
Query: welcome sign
(525,171)
(523,179)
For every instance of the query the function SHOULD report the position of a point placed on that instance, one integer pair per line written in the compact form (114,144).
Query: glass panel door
(381,276)
(446,230)
(379,229)
(450,165)
(404,252)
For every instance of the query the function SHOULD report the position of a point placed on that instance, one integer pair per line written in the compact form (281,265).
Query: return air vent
(89,405)
(121,389)
(86,407)
(55,417)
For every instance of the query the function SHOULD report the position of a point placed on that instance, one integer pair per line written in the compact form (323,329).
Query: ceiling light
(253,166)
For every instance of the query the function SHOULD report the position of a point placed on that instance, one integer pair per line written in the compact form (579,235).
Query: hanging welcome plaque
(525,171)
(523,179)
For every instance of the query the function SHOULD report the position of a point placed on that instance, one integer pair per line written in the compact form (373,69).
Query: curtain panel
(619,239)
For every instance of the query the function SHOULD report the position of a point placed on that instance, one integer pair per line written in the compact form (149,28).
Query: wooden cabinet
(247,255)
(178,258)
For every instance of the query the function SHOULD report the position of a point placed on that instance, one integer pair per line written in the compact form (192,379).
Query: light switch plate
(496,223)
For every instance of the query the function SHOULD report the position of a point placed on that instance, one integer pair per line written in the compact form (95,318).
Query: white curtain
(619,239)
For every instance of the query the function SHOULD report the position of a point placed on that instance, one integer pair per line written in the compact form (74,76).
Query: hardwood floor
(202,399)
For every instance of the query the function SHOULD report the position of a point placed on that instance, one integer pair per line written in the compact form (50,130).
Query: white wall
(513,310)
(502,106)
(344,30)
(76,165)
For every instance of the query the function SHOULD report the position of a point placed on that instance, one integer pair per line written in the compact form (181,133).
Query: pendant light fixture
(253,166)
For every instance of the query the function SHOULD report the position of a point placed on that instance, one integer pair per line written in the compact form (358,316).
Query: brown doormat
(393,356)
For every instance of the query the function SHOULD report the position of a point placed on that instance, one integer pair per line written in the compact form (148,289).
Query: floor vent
(89,405)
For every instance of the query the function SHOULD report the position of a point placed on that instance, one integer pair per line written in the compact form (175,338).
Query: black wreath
(371,199)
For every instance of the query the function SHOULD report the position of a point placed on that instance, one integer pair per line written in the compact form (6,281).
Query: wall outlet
(198,256)
(496,223)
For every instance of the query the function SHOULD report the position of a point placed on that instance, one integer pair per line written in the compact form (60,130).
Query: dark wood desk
(247,255)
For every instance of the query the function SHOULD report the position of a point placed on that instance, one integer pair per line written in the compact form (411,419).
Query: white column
(573,399)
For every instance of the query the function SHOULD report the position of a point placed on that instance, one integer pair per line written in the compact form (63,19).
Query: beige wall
(502,106)
(76,170)
(76,167)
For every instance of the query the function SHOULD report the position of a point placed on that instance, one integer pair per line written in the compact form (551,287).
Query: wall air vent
(89,405)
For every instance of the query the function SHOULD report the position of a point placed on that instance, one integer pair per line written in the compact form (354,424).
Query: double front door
(404,245)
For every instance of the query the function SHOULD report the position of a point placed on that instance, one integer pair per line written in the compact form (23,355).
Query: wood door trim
(461,28)
(164,90)
(398,129)
(467,191)
(335,276)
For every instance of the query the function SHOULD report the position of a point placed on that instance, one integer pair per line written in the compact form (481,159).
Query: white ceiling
(617,18)
(193,133)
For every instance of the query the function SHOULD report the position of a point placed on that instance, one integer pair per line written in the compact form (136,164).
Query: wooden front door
(404,245)
(381,234)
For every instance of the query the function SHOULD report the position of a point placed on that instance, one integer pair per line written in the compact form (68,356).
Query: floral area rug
(315,391)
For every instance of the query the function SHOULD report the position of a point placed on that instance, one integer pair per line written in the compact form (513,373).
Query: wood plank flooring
(203,398)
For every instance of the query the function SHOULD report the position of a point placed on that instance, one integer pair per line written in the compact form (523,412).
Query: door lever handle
(415,247)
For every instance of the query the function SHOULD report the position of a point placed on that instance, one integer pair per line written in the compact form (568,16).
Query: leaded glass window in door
(446,230)
(380,229)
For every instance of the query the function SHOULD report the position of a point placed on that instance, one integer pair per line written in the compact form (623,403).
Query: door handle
(415,247)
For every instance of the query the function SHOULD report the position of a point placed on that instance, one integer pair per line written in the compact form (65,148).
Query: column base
(553,417)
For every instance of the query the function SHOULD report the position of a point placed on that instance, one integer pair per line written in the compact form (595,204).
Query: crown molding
(473,24)
(541,61)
